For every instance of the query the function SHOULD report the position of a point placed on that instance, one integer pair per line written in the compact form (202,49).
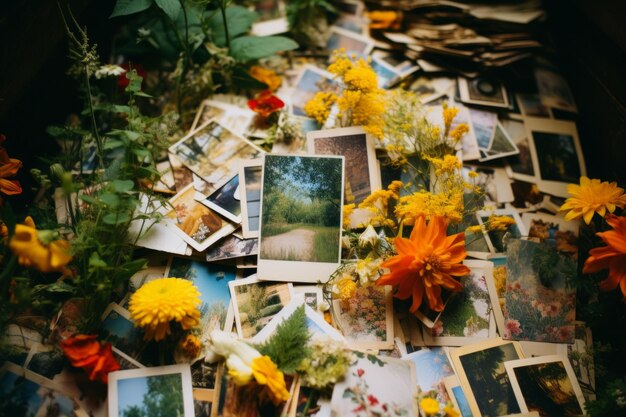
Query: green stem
(223,10)
(93,119)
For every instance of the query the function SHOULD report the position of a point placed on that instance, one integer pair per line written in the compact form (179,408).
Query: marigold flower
(501,223)
(345,287)
(85,351)
(267,76)
(266,103)
(612,256)
(430,406)
(384,19)
(163,300)
(31,251)
(267,373)
(592,196)
(190,346)
(427,261)
(8,168)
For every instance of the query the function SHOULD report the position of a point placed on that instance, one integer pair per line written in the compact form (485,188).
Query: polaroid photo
(469,142)
(496,238)
(501,146)
(307,402)
(522,165)
(366,318)
(208,110)
(318,328)
(150,389)
(537,310)
(231,247)
(351,23)
(391,381)
(557,154)
(310,81)
(311,294)
(483,91)
(300,218)
(468,316)
(480,369)
(183,176)
(166,183)
(581,358)
(256,302)
(351,7)
(272,18)
(492,181)
(233,117)
(205,377)
(25,393)
(118,329)
(195,223)
(416,337)
(213,152)
(18,341)
(362,175)
(554,91)
(226,200)
(45,360)
(456,395)
(530,105)
(430,89)
(212,280)
(388,74)
(203,400)
(429,317)
(352,43)
(250,174)
(547,385)
(553,230)
(484,124)
(431,366)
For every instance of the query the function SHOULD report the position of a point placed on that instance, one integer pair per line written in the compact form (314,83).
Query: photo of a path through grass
(301,208)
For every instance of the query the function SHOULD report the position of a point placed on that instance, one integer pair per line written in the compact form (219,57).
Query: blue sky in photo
(120,326)
(130,392)
(7,382)
(211,280)
(430,367)
(462,401)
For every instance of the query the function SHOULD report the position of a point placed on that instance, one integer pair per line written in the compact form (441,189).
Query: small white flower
(368,237)
(324,306)
(109,70)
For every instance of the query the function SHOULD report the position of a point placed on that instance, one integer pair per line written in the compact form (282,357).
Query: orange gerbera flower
(8,168)
(86,352)
(425,262)
(612,256)
(266,103)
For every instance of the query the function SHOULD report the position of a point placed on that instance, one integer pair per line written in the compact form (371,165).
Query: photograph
(310,80)
(45,360)
(300,228)
(540,306)
(352,43)
(250,174)
(203,402)
(521,165)
(230,116)
(212,280)
(531,105)
(366,318)
(318,327)
(554,91)
(483,91)
(213,152)
(355,24)
(431,368)
(162,390)
(312,295)
(183,176)
(547,385)
(232,247)
(118,329)
(383,386)
(272,18)
(204,375)
(484,124)
(27,394)
(256,302)
(307,402)
(226,200)
(197,224)
(483,377)
(468,316)
(470,149)
(553,230)
(498,235)
(501,146)
(457,396)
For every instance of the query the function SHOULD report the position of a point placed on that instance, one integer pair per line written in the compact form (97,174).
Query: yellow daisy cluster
(592,196)
(499,222)
(378,203)
(158,303)
(425,203)
(361,102)
(449,113)
(458,132)
(449,164)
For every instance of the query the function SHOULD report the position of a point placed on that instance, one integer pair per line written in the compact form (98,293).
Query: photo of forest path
(301,211)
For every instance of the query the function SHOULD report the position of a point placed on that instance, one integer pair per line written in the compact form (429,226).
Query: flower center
(432,263)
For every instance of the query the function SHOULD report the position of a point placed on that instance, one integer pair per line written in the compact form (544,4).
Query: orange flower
(84,351)
(426,262)
(266,103)
(266,76)
(612,256)
(26,243)
(384,19)
(8,168)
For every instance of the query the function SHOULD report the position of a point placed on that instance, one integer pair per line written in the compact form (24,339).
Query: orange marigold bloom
(8,168)
(384,19)
(612,256)
(85,351)
(426,261)
(266,76)
(266,103)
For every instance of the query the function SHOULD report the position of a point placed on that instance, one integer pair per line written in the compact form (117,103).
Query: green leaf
(89,199)
(248,48)
(113,218)
(122,186)
(126,7)
(95,262)
(171,8)
(142,94)
(58,287)
(239,20)
(113,143)
(111,200)
(244,80)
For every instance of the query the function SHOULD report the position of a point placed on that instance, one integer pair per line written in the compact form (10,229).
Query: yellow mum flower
(267,373)
(319,106)
(39,249)
(266,76)
(361,77)
(499,222)
(159,302)
(345,287)
(459,131)
(341,65)
(592,196)
(430,406)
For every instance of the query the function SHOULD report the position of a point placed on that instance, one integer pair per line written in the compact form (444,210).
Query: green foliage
(288,345)
(239,19)
(171,8)
(307,20)
(126,7)
(248,48)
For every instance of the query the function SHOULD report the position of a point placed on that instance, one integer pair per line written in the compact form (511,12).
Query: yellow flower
(266,76)
(499,222)
(159,302)
(592,196)
(361,77)
(190,346)
(450,411)
(341,65)
(459,131)
(449,113)
(368,269)
(474,229)
(424,203)
(267,373)
(39,250)
(345,287)
(319,106)
(448,165)
(430,406)
(348,209)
